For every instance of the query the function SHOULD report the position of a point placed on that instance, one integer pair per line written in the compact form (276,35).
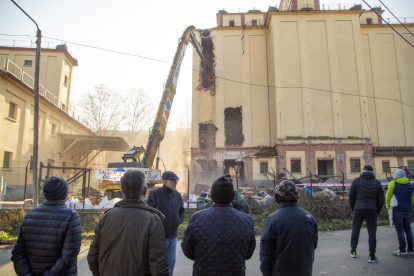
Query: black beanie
(368,168)
(222,191)
(55,188)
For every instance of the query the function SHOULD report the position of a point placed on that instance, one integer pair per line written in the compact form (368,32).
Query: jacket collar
(288,204)
(222,205)
(139,204)
(52,202)
(165,188)
(401,180)
(367,175)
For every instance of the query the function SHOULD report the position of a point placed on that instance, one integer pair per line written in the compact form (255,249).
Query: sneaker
(353,254)
(400,254)
(411,254)
(372,259)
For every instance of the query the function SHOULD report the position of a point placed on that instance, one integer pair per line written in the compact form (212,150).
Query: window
(355,165)
(7,157)
(263,167)
(295,166)
(28,63)
(369,20)
(254,22)
(13,111)
(386,167)
(53,132)
(231,23)
(65,82)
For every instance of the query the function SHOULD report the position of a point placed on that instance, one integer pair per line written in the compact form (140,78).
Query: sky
(146,28)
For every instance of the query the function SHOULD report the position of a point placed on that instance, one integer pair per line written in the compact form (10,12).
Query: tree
(140,110)
(103,110)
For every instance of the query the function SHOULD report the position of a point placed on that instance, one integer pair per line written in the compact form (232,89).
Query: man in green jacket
(238,203)
(404,193)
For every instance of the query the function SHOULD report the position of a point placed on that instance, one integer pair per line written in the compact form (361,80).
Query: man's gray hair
(133,183)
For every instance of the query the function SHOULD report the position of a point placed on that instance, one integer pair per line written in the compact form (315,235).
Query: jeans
(171,253)
(358,217)
(402,222)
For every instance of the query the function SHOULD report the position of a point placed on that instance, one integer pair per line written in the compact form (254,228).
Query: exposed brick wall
(317,5)
(243,20)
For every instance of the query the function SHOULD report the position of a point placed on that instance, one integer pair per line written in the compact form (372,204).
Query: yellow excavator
(138,157)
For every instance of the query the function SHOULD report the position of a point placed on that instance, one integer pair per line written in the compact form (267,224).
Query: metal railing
(10,67)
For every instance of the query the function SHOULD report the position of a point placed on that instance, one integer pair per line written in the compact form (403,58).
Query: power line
(388,23)
(396,17)
(223,78)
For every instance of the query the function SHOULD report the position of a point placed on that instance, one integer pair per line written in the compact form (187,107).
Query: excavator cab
(136,154)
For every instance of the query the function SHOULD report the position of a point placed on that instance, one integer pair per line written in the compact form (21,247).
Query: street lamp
(36,110)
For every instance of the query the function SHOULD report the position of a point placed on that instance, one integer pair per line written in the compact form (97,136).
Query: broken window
(233,167)
(264,167)
(233,127)
(355,165)
(295,166)
(386,167)
(207,136)
(207,44)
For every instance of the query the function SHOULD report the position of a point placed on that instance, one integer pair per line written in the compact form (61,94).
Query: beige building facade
(329,91)
(57,128)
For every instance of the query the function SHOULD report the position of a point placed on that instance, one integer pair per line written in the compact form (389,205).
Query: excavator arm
(161,119)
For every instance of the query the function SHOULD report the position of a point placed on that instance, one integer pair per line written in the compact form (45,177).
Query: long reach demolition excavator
(138,157)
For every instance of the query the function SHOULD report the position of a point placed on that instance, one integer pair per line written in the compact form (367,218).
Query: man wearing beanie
(366,198)
(404,193)
(129,239)
(169,202)
(50,235)
(220,239)
(289,236)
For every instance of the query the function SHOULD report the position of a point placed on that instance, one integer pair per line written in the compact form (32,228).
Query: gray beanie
(55,188)
(399,173)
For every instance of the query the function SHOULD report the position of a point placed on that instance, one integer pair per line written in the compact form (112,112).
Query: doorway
(325,167)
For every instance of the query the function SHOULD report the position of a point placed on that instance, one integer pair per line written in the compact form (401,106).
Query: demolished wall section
(233,126)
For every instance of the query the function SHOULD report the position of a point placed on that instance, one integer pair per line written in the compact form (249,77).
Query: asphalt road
(332,257)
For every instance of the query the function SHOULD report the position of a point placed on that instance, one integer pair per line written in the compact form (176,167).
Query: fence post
(188,188)
(89,182)
(25,185)
(310,180)
(84,187)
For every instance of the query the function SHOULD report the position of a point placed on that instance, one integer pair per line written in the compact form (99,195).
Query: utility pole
(36,110)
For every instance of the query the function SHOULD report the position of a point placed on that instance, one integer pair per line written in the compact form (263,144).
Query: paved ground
(332,257)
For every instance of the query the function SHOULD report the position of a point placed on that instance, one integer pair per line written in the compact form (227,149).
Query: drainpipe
(267,76)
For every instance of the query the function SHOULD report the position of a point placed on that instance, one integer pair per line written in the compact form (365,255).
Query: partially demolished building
(302,88)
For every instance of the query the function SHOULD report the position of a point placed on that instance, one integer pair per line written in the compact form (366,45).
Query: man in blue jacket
(404,192)
(50,235)
(219,239)
(366,198)
(169,202)
(289,236)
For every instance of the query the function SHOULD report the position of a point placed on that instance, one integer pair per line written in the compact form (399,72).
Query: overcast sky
(145,28)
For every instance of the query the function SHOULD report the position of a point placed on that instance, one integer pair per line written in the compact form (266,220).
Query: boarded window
(386,167)
(233,127)
(7,157)
(264,167)
(355,165)
(207,136)
(231,23)
(13,110)
(295,166)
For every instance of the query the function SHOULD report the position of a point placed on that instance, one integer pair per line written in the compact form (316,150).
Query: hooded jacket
(366,192)
(49,241)
(219,240)
(129,240)
(170,204)
(403,191)
(288,242)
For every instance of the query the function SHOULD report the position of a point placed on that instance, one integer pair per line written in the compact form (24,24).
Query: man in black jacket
(219,239)
(366,198)
(129,239)
(169,202)
(289,236)
(50,235)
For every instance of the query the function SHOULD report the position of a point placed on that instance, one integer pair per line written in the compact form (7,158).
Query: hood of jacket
(139,204)
(367,175)
(401,180)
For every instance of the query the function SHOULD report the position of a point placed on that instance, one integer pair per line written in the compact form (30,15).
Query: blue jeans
(171,253)
(402,222)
